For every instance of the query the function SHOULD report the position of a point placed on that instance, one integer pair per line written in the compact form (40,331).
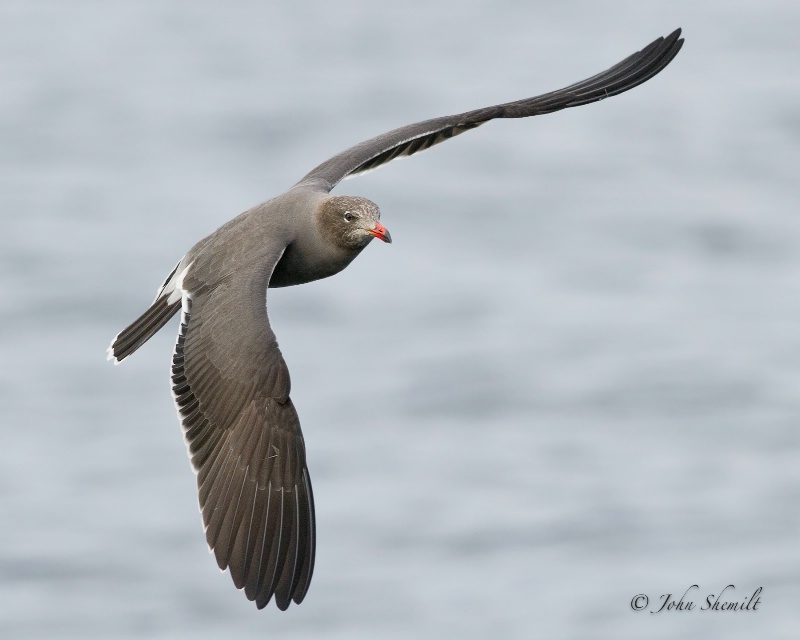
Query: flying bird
(229,379)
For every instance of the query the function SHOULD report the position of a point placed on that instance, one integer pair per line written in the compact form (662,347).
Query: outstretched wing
(405,141)
(231,386)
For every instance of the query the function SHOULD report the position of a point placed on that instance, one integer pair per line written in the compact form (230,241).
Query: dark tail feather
(142,329)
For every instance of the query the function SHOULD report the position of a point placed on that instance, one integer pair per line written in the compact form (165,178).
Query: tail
(142,329)
(167,302)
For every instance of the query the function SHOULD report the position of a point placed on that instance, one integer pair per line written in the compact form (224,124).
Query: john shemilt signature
(713,602)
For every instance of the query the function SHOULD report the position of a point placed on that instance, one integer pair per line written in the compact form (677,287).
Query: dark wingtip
(675,38)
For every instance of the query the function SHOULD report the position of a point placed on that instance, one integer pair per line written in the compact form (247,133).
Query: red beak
(381,232)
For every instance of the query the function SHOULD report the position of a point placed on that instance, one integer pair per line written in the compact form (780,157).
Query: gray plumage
(230,382)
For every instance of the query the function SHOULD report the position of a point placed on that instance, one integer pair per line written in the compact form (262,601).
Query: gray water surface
(573,378)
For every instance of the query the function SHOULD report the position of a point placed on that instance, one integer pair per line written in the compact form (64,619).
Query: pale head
(350,222)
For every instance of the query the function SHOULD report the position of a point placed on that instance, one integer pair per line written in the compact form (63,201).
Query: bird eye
(348,217)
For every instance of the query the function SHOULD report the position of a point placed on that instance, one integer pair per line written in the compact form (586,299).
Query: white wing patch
(175,286)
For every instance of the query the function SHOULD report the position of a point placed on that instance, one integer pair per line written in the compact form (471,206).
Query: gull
(229,379)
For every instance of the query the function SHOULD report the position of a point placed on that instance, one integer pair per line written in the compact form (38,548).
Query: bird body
(229,380)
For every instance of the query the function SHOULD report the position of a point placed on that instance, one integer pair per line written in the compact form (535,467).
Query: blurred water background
(573,378)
